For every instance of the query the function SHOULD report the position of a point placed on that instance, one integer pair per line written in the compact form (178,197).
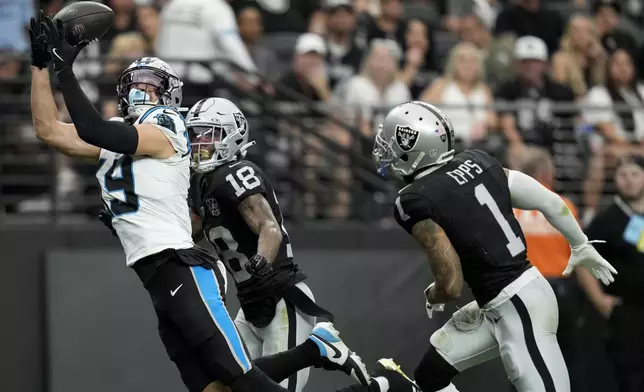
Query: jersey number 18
(247,177)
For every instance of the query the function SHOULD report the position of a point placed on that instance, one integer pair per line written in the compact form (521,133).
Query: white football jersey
(148,197)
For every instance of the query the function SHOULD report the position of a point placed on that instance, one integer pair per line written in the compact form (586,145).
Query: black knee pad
(433,372)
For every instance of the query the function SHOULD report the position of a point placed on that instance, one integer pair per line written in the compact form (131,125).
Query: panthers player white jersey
(148,197)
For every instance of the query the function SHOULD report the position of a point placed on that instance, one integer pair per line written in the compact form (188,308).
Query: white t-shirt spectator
(601,111)
(361,93)
(201,30)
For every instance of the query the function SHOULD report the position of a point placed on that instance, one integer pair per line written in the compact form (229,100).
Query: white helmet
(218,133)
(152,72)
(414,135)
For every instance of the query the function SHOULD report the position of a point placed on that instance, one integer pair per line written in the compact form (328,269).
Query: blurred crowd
(550,87)
(557,74)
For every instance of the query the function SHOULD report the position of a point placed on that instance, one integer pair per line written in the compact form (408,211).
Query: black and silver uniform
(470,199)
(216,196)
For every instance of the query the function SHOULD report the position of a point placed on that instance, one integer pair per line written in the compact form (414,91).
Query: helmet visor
(142,87)
(204,140)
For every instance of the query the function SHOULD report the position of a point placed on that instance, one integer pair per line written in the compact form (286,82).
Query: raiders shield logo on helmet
(406,137)
(213,206)
(241,122)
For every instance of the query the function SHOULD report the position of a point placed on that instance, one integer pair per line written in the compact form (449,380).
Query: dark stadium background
(73,318)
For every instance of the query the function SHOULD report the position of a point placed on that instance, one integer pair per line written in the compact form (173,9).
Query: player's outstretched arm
(119,137)
(443,260)
(61,136)
(528,194)
(259,217)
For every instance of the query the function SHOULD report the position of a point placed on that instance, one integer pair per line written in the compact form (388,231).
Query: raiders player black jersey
(470,199)
(216,196)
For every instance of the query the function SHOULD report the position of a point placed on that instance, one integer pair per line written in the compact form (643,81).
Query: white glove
(431,308)
(586,255)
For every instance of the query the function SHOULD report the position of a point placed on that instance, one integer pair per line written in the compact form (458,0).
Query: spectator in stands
(496,52)
(148,23)
(204,31)
(549,251)
(124,21)
(526,101)
(463,96)
(580,62)
(307,76)
(621,225)
(615,112)
(344,53)
(292,16)
(125,48)
(251,29)
(389,24)
(527,17)
(418,63)
(607,17)
(14,19)
(377,86)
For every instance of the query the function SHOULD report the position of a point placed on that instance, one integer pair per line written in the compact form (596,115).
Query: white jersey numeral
(402,213)
(226,247)
(515,245)
(247,177)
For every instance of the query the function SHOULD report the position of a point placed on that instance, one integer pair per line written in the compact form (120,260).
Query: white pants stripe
(289,328)
(522,330)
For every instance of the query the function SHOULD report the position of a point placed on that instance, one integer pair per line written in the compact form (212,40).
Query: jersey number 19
(515,245)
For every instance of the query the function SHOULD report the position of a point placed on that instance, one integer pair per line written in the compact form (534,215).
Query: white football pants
(520,324)
(289,328)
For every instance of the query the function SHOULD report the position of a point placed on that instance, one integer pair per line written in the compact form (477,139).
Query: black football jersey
(216,196)
(470,199)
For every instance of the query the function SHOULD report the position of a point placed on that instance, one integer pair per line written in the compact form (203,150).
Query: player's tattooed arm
(443,260)
(260,218)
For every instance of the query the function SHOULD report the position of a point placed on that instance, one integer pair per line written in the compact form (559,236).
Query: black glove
(62,53)
(40,57)
(259,266)
(106,217)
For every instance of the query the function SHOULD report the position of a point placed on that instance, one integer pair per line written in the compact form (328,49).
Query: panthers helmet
(218,133)
(414,135)
(150,72)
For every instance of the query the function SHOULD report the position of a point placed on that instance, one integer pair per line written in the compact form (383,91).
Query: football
(85,21)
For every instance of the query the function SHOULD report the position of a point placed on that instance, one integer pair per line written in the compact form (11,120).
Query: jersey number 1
(123,183)
(247,177)
(515,245)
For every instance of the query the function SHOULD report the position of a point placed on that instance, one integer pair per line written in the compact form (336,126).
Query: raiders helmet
(152,72)
(218,133)
(414,135)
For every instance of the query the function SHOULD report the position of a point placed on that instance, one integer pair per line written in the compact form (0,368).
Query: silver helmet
(414,135)
(218,133)
(143,77)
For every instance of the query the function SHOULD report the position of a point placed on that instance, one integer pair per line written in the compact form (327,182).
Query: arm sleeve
(171,123)
(411,208)
(113,136)
(528,194)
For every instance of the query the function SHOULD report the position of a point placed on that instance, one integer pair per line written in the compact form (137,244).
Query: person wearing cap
(525,102)
(621,225)
(307,75)
(344,51)
(607,17)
